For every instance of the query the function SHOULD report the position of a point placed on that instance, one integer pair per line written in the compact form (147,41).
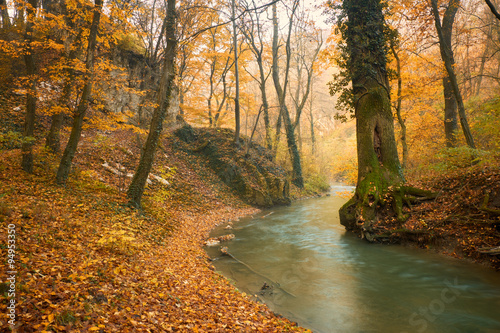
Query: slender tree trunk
(379,169)
(256,32)
(237,79)
(297,177)
(53,141)
(310,73)
(450,101)
(398,106)
(265,105)
(481,70)
(29,59)
(76,130)
(311,123)
(209,102)
(313,136)
(447,57)
(223,102)
(136,188)
(487,48)
(493,9)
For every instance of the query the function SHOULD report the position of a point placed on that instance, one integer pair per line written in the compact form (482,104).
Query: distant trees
(444,32)
(83,38)
(281,90)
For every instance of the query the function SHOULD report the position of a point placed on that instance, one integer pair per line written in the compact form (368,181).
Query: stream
(300,262)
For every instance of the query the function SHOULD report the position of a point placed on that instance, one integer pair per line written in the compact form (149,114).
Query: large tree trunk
(136,188)
(297,177)
(76,130)
(379,169)
(29,59)
(447,57)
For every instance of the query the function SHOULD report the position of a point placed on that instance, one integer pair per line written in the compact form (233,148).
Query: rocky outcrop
(254,177)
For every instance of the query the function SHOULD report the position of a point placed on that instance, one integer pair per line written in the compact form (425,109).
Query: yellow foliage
(120,238)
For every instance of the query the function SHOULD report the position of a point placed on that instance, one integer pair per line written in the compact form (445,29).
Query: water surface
(303,265)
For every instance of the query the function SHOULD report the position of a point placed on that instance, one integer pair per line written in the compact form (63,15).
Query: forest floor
(85,261)
(462,222)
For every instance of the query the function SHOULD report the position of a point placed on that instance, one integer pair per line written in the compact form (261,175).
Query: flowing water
(303,265)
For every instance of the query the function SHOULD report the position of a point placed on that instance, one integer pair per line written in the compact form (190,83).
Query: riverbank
(84,261)
(462,222)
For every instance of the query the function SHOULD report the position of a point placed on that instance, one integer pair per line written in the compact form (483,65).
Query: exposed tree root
(361,212)
(484,207)
(494,251)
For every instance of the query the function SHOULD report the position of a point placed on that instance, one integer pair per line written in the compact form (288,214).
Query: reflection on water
(330,281)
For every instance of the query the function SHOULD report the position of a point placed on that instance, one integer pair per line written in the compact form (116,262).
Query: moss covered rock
(253,176)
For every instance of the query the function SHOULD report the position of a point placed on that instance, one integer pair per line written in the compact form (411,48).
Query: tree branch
(493,9)
(231,20)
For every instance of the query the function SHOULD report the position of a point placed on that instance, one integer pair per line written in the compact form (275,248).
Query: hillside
(85,261)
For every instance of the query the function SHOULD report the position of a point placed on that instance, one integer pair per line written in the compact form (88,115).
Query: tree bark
(493,9)
(311,123)
(76,129)
(401,121)
(379,169)
(447,57)
(297,177)
(136,188)
(29,59)
(237,79)
(450,101)
(53,140)
(5,14)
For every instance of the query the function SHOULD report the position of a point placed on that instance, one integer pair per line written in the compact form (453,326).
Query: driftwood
(493,251)
(121,171)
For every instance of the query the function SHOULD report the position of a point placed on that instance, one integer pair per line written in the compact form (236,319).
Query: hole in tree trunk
(377,144)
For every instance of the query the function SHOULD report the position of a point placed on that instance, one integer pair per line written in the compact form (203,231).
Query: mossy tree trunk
(379,170)
(136,188)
